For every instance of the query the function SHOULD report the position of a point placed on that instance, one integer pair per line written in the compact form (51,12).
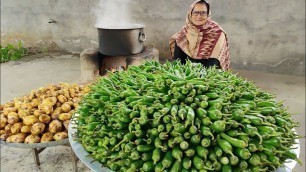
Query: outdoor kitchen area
(152,86)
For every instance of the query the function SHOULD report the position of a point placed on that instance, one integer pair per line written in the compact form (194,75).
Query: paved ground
(20,77)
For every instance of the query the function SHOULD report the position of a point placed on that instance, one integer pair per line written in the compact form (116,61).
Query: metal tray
(36,145)
(82,154)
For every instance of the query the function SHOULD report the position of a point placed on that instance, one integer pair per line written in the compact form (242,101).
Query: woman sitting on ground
(201,40)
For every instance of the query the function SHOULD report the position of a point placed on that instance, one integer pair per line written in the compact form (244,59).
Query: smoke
(113,13)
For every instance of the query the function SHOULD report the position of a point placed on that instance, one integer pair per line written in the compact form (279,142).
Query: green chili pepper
(206,142)
(148,166)
(187,163)
(215,114)
(156,155)
(184,145)
(266,104)
(167,160)
(243,153)
(238,114)
(202,152)
(195,139)
(218,126)
(201,113)
(212,95)
(144,148)
(252,131)
(206,131)
(225,146)
(243,165)
(177,166)
(227,168)
(255,160)
(180,128)
(224,160)
(177,153)
(235,142)
(218,151)
(190,152)
(206,121)
(190,116)
(158,143)
(171,143)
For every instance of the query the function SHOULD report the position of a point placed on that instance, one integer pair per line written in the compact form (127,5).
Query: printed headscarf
(207,41)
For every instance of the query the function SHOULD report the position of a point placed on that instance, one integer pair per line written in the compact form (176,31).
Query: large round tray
(82,154)
(36,145)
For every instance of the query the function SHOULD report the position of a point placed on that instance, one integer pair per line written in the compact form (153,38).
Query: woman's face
(199,14)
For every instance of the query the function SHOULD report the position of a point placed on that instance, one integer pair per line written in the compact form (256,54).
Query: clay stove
(94,64)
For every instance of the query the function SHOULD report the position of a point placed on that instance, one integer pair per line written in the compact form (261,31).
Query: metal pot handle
(142,36)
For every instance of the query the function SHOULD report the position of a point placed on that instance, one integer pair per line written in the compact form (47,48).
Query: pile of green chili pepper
(175,117)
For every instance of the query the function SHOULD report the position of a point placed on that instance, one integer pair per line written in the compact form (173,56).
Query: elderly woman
(201,40)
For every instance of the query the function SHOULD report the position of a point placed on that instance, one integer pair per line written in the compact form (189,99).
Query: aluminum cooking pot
(120,40)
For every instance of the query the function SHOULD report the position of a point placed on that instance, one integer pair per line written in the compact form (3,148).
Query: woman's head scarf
(202,42)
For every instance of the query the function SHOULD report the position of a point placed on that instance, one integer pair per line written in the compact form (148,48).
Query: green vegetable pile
(174,117)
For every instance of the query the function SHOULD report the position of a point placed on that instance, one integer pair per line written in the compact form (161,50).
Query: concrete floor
(20,77)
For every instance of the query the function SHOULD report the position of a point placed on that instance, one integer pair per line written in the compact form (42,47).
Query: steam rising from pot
(113,14)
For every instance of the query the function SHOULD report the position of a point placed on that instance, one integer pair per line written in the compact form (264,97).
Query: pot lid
(119,26)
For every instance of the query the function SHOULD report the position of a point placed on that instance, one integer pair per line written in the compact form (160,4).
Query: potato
(54,93)
(62,98)
(47,137)
(30,120)
(50,101)
(37,112)
(17,138)
(60,135)
(7,110)
(32,138)
(3,122)
(4,136)
(67,95)
(2,115)
(2,131)
(26,106)
(35,102)
(70,103)
(32,94)
(17,104)
(23,113)
(72,91)
(8,127)
(66,107)
(55,114)
(58,104)
(66,124)
(16,128)
(26,129)
(63,85)
(47,109)
(75,105)
(12,118)
(52,87)
(76,99)
(55,126)
(64,116)
(44,118)
(38,128)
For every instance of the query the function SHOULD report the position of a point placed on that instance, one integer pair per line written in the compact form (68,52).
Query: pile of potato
(41,116)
